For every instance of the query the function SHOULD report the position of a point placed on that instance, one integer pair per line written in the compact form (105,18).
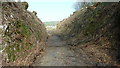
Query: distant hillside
(51,23)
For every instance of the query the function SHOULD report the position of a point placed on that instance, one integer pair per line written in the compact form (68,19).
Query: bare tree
(78,5)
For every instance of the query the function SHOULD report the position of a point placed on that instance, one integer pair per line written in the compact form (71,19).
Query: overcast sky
(51,10)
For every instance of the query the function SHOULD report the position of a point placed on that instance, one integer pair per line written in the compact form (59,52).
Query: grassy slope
(99,27)
(23,34)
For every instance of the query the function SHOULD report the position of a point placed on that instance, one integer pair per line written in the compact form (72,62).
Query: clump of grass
(22,32)
(23,29)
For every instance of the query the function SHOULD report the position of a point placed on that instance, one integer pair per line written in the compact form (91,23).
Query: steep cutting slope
(24,35)
(96,30)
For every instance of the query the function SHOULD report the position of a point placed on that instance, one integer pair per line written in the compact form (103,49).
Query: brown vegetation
(98,28)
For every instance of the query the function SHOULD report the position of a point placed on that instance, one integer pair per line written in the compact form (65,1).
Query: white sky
(51,10)
(54,10)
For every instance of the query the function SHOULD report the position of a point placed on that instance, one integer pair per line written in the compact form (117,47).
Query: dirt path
(59,54)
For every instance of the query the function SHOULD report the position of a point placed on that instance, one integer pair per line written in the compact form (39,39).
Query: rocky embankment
(95,30)
(23,34)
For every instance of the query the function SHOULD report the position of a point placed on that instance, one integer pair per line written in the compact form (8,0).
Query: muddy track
(59,54)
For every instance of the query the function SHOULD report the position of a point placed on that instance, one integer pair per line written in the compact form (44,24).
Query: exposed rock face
(99,26)
(24,35)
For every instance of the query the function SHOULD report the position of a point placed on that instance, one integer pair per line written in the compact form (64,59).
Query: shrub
(25,4)
(34,12)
